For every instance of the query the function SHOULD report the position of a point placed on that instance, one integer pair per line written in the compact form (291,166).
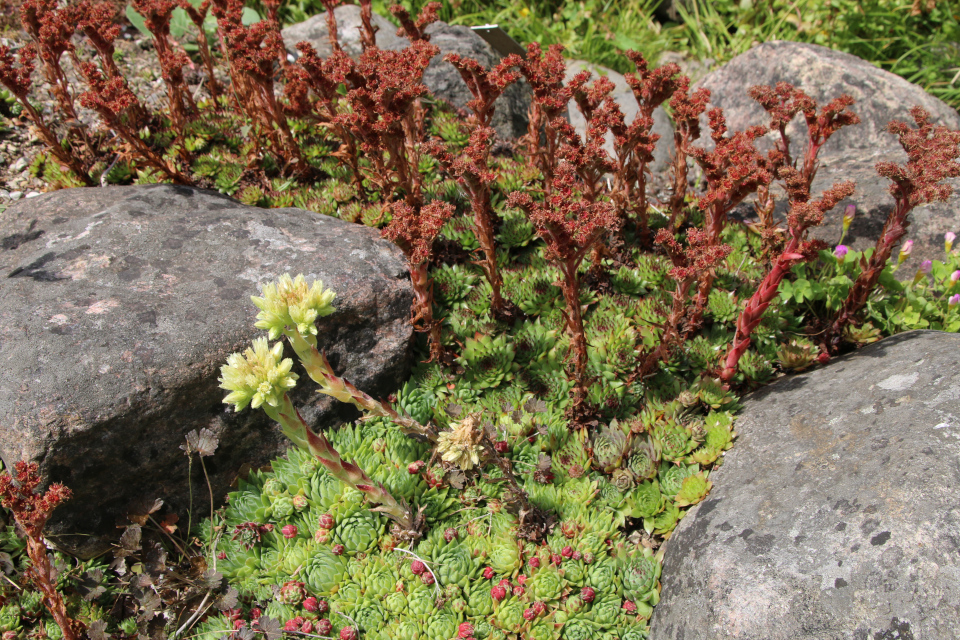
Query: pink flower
(905,250)
(948,239)
(840,251)
(955,276)
(926,266)
(848,216)
(289,531)
(954,300)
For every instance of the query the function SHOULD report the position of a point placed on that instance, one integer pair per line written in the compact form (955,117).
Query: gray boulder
(442,78)
(851,153)
(117,309)
(314,30)
(623,95)
(836,514)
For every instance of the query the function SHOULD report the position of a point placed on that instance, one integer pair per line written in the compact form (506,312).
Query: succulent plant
(863,334)
(488,361)
(609,447)
(452,284)
(641,575)
(797,355)
(693,489)
(723,305)
(674,439)
(644,458)
(756,367)
(515,230)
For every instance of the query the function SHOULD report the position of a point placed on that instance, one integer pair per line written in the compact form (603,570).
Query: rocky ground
(18,145)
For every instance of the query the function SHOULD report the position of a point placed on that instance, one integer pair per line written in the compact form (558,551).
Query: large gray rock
(623,95)
(851,153)
(314,30)
(442,78)
(836,513)
(117,309)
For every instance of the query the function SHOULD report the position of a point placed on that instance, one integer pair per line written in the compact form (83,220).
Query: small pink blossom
(954,300)
(841,251)
(926,266)
(905,250)
(848,215)
(948,239)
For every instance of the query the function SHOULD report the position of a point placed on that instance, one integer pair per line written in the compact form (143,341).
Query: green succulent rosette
(455,565)
(504,555)
(693,489)
(421,602)
(641,576)
(442,625)
(547,584)
(488,361)
(509,614)
(360,532)
(324,572)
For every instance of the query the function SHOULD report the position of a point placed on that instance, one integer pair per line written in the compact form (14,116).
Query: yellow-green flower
(291,303)
(258,376)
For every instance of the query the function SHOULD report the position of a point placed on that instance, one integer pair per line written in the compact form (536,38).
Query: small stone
(15,195)
(19,165)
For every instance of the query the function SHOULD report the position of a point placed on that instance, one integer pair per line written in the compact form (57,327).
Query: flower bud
(307,627)
(629,606)
(322,535)
(955,276)
(293,624)
(465,630)
(348,633)
(948,239)
(529,614)
(414,467)
(498,593)
(311,604)
(324,627)
(954,300)
(501,446)
(587,594)
(418,568)
(289,531)
(300,502)
(567,552)
(337,550)
(427,578)
(840,251)
(326,521)
(905,251)
(488,573)
(848,216)
(926,266)
(450,534)
(518,591)
(534,562)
